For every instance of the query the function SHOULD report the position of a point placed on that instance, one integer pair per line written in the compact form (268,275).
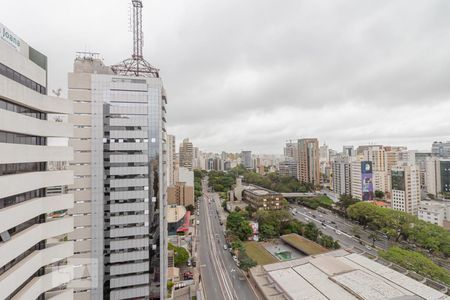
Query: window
(4,104)
(19,78)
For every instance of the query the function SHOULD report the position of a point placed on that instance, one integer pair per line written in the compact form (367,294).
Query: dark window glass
(14,138)
(11,74)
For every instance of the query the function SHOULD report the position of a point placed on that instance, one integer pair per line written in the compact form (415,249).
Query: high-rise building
(348,151)
(290,150)
(120,179)
(441,149)
(376,155)
(324,155)
(438,176)
(362,179)
(186,154)
(171,159)
(33,177)
(405,184)
(342,180)
(247,160)
(288,168)
(120,175)
(120,184)
(308,161)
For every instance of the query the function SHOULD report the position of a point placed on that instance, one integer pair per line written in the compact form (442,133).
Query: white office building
(342,176)
(33,177)
(405,184)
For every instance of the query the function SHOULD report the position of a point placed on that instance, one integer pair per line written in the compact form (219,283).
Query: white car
(338,232)
(368,247)
(225,247)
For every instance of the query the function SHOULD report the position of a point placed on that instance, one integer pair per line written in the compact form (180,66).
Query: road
(221,278)
(339,229)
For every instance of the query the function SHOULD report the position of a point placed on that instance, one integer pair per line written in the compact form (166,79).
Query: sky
(249,75)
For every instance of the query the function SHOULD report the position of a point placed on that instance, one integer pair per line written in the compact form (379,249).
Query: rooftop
(339,275)
(175,213)
(259,191)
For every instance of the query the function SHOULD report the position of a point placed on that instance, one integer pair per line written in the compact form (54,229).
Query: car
(333,222)
(198,222)
(225,247)
(189,263)
(368,247)
(338,232)
(320,216)
(313,216)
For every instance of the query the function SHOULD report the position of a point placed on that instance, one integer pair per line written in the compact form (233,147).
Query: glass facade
(127,140)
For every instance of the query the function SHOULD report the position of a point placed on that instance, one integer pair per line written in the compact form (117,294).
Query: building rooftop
(175,213)
(259,191)
(340,275)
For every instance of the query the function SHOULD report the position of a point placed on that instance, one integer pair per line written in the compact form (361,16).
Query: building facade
(342,172)
(171,159)
(186,154)
(405,184)
(262,199)
(180,194)
(33,177)
(308,161)
(120,182)
(441,149)
(438,177)
(288,168)
(246,159)
(435,212)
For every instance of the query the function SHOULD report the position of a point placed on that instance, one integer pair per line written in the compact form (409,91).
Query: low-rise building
(435,212)
(261,198)
(338,275)
(175,218)
(288,168)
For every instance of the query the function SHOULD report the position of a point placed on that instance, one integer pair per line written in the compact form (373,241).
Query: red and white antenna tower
(136,65)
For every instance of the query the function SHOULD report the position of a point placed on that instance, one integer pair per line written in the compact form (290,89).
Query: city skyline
(370,50)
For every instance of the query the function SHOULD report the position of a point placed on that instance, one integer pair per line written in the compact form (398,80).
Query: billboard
(254,236)
(366,180)
(398,180)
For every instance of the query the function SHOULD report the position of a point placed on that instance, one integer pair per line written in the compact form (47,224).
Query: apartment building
(342,176)
(405,184)
(186,154)
(308,161)
(33,177)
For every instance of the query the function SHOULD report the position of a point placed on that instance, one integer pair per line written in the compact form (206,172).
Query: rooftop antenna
(136,65)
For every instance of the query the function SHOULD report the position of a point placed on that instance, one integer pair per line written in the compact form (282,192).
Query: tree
(379,194)
(416,262)
(268,231)
(190,208)
(181,255)
(238,225)
(245,261)
(311,232)
(345,201)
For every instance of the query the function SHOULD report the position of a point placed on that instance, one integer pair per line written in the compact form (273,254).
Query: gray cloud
(251,74)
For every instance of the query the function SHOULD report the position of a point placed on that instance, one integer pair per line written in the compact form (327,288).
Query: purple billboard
(366,180)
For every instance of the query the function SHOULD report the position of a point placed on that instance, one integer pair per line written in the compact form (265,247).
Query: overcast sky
(251,74)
